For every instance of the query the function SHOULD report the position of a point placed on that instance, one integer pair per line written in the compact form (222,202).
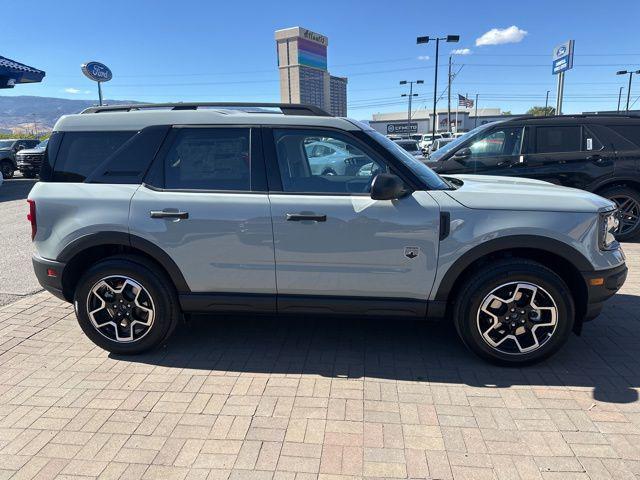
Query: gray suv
(148,212)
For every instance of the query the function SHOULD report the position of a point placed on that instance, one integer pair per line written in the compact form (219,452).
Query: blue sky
(224,51)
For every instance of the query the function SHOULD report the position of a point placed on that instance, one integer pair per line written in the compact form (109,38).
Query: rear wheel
(6,168)
(126,307)
(515,312)
(628,202)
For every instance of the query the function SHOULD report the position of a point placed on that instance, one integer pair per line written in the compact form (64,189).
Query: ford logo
(561,51)
(97,71)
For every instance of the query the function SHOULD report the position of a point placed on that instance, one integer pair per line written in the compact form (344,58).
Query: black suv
(8,150)
(598,153)
(29,160)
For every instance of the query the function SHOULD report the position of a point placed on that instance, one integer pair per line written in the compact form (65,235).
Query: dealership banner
(402,128)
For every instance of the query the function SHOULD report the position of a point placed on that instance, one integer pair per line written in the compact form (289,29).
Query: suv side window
(209,159)
(558,139)
(347,170)
(590,142)
(81,152)
(630,135)
(498,142)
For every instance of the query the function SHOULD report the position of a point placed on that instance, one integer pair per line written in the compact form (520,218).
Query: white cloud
(461,51)
(498,36)
(75,91)
(423,57)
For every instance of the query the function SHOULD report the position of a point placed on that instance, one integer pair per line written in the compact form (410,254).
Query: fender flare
(531,242)
(125,239)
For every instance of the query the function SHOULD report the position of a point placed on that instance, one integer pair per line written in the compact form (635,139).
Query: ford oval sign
(97,71)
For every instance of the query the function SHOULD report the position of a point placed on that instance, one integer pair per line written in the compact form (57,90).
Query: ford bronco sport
(146,212)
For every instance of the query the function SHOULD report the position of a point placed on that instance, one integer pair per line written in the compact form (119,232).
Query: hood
(487,192)
(29,151)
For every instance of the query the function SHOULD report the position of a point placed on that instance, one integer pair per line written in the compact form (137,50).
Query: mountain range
(26,114)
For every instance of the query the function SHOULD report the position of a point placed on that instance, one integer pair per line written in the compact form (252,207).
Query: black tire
(158,287)
(480,284)
(616,194)
(7,169)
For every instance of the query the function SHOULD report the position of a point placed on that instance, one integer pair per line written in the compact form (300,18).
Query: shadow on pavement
(604,358)
(15,189)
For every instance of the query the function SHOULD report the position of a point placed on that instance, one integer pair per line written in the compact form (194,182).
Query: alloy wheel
(629,210)
(517,318)
(120,309)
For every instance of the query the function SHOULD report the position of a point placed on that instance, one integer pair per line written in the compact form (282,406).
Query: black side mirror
(386,186)
(462,153)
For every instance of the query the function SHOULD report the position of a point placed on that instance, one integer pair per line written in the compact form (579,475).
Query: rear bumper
(44,270)
(608,282)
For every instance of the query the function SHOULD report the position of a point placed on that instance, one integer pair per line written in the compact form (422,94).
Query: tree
(506,112)
(541,111)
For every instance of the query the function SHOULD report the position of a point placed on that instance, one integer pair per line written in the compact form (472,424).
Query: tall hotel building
(302,62)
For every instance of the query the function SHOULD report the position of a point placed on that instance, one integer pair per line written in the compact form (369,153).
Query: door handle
(169,214)
(301,217)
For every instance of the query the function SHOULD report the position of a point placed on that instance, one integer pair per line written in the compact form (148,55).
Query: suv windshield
(428,176)
(445,149)
(6,143)
(42,144)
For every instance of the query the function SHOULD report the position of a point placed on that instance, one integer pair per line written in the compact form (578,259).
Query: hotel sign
(313,36)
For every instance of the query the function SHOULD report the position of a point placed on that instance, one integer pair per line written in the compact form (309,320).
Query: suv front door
(204,203)
(332,240)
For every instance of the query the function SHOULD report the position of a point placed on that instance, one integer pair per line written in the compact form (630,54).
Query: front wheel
(6,168)
(126,306)
(514,312)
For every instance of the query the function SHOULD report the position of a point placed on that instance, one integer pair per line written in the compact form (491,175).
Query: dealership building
(304,78)
(463,120)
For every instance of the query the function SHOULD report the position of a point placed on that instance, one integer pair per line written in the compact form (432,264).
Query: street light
(630,73)
(410,95)
(427,39)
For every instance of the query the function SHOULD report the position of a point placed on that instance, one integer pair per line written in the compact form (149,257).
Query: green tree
(541,111)
(506,112)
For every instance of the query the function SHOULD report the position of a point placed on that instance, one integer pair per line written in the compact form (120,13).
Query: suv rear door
(572,155)
(204,202)
(337,250)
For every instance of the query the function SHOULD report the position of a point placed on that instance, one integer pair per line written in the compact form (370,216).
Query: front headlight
(609,223)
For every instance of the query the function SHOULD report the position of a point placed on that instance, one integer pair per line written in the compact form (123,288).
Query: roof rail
(285,108)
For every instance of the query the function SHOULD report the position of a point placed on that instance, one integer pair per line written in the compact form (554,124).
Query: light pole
(546,103)
(410,95)
(630,73)
(426,39)
(619,98)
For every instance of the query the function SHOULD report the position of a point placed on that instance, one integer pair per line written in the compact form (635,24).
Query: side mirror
(386,186)
(462,153)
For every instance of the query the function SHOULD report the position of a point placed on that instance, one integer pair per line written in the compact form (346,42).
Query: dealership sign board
(402,128)
(562,57)
(97,71)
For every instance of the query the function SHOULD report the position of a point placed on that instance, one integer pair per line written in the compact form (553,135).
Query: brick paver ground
(261,398)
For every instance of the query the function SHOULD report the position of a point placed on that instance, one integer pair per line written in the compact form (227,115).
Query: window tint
(81,152)
(630,132)
(557,139)
(347,170)
(589,141)
(209,159)
(504,141)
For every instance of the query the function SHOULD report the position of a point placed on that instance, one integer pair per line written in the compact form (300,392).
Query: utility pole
(410,95)
(546,103)
(426,39)
(475,123)
(619,98)
(449,98)
(630,73)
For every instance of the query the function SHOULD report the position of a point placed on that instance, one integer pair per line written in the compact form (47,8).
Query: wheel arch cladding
(563,259)
(85,251)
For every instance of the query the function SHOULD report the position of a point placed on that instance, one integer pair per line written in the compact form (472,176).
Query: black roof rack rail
(285,108)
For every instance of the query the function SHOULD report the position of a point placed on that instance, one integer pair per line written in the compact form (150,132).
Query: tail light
(31,216)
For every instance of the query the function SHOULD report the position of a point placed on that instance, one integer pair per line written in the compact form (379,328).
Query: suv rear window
(557,139)
(629,132)
(81,152)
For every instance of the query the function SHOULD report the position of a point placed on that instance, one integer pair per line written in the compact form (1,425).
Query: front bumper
(44,270)
(602,285)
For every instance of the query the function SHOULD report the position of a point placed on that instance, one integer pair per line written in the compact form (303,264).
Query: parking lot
(298,398)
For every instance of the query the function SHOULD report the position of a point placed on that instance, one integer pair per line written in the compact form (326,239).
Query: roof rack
(285,108)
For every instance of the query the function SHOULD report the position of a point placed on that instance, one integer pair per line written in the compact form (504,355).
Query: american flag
(464,101)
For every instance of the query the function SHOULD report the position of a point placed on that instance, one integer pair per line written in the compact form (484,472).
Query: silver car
(146,212)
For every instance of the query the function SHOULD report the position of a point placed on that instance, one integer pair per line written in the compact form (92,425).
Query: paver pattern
(302,398)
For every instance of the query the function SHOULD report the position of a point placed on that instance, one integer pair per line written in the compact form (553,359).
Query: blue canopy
(13,73)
